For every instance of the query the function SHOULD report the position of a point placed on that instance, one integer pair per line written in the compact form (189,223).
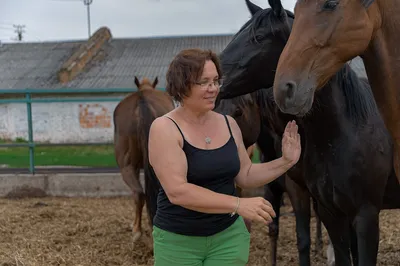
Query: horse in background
(346,161)
(132,120)
(253,121)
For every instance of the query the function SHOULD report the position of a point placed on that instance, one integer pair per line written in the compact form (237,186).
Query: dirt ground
(83,232)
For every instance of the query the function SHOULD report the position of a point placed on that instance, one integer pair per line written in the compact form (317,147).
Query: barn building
(99,62)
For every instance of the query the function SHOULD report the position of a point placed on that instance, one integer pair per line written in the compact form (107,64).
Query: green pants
(229,247)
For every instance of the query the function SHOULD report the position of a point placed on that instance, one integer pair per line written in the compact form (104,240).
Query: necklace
(207,139)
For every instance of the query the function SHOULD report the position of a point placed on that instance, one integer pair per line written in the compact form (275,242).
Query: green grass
(256,156)
(69,155)
(94,156)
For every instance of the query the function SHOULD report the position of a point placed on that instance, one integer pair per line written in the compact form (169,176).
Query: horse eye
(238,112)
(330,5)
(259,37)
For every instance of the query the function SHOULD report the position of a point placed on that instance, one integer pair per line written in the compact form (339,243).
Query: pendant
(208,140)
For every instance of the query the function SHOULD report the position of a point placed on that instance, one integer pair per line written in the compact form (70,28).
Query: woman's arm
(169,163)
(256,175)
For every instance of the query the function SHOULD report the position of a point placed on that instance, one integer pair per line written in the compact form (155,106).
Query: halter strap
(366,3)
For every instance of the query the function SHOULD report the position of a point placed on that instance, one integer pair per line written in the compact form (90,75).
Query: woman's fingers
(268,209)
(266,202)
(266,218)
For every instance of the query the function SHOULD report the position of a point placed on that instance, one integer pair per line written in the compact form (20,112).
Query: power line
(19,29)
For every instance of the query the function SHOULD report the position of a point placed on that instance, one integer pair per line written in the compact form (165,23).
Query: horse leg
(273,192)
(139,199)
(396,160)
(300,199)
(330,255)
(318,236)
(354,246)
(339,234)
(131,178)
(366,225)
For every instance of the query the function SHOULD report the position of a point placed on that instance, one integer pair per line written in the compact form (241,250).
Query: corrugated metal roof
(35,65)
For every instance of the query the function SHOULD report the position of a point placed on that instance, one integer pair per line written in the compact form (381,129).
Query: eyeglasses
(205,85)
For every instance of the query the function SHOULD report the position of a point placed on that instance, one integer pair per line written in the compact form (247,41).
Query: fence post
(30,134)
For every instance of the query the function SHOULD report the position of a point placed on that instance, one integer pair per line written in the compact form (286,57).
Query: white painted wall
(59,122)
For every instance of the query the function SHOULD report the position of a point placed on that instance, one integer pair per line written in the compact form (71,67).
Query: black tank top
(213,169)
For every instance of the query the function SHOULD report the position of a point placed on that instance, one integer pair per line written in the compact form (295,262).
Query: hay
(84,231)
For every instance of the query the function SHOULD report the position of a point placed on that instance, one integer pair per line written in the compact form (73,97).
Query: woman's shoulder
(162,123)
(164,127)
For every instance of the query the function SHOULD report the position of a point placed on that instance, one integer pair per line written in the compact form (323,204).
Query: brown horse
(132,119)
(328,33)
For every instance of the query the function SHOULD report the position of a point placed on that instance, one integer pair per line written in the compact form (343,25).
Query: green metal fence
(28,100)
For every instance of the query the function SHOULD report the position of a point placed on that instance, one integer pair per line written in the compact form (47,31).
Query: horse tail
(151,185)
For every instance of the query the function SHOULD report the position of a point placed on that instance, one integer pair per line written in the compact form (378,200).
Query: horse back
(133,116)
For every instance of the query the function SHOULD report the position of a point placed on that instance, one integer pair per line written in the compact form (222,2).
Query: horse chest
(328,177)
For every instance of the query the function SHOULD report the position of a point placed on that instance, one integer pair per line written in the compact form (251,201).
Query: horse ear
(155,82)
(137,82)
(277,7)
(366,3)
(253,8)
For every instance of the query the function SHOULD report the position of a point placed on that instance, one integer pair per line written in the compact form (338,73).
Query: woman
(198,155)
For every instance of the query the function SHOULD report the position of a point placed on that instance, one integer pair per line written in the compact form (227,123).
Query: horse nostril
(290,88)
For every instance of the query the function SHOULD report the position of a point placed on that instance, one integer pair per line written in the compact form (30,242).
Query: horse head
(146,83)
(255,47)
(325,35)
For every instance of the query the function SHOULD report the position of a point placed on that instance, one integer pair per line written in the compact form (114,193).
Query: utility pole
(87,4)
(19,29)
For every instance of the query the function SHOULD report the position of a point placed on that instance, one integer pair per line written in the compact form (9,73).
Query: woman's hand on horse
(291,146)
(256,209)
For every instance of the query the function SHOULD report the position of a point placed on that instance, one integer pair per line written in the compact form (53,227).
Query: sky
(51,20)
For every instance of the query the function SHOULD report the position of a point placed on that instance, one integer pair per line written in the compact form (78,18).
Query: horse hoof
(136,236)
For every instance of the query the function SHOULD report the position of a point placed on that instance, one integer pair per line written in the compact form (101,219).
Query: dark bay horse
(132,119)
(346,161)
(254,122)
(328,33)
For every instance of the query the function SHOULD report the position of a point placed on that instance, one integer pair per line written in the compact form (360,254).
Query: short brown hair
(185,70)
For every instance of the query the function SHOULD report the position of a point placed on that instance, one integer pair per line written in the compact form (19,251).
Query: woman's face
(204,93)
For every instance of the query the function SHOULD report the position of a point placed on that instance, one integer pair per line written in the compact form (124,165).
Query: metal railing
(28,99)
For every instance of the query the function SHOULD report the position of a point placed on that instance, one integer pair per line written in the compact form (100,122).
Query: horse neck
(382,63)
(269,112)
(327,118)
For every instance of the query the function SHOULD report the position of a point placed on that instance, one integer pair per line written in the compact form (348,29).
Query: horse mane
(265,100)
(360,102)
